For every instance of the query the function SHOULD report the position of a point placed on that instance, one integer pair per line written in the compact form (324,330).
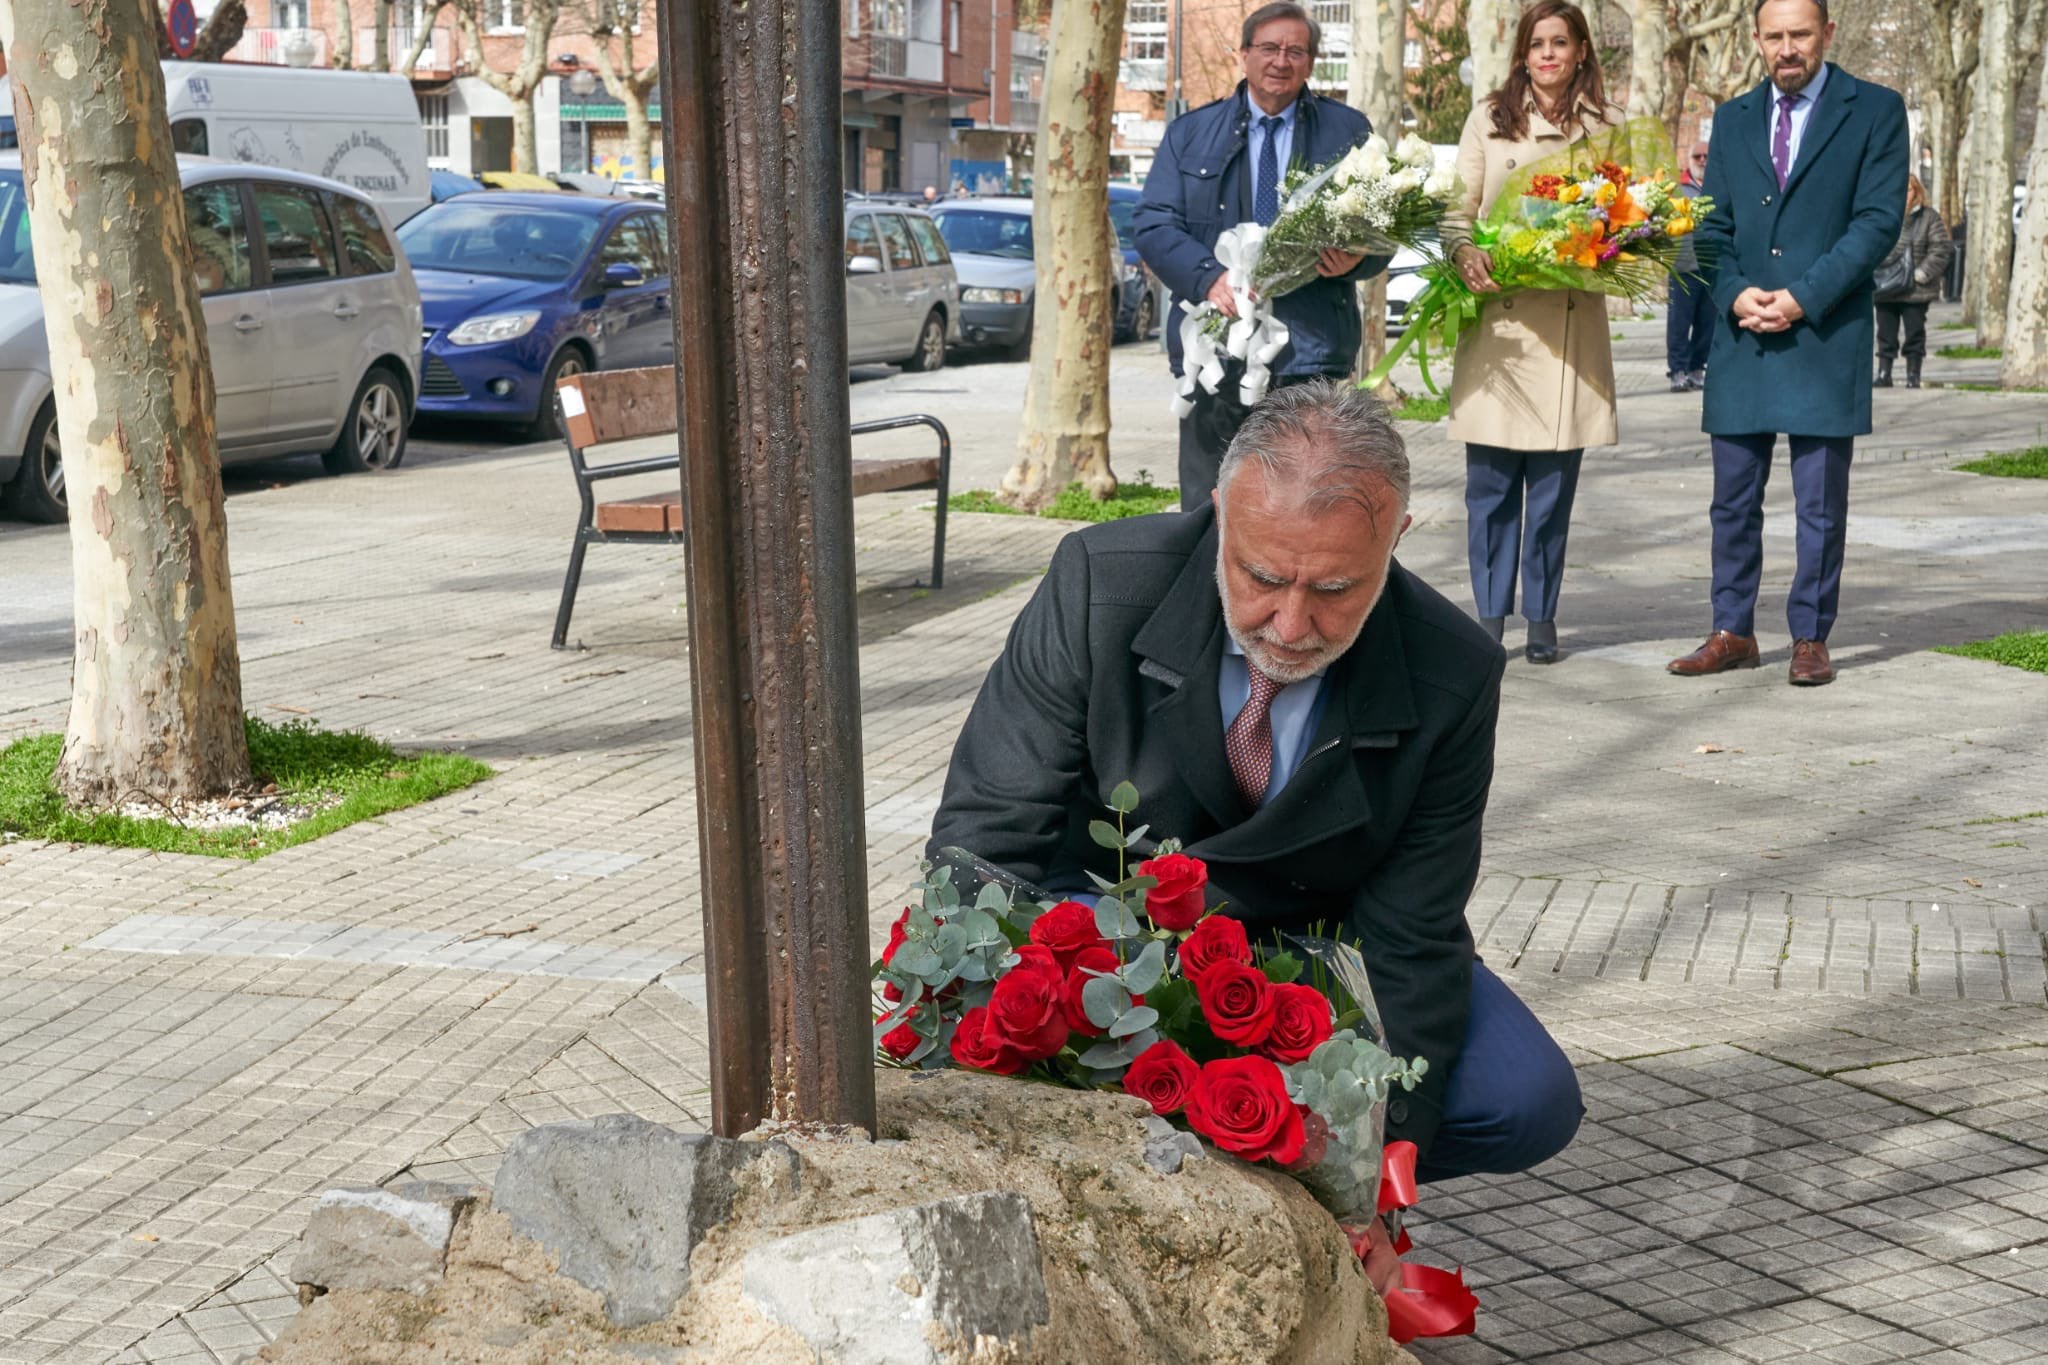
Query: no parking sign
(182,23)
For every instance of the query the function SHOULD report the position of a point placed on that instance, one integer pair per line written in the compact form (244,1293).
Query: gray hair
(1266,14)
(1329,438)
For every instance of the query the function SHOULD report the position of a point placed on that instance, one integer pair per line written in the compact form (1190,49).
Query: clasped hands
(1766,310)
(1329,265)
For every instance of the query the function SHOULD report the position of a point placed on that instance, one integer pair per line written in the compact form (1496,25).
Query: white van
(359,127)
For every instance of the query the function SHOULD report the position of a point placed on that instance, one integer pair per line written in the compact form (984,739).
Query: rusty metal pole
(750,119)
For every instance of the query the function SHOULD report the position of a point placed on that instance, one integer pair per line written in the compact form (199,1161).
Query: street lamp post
(583,84)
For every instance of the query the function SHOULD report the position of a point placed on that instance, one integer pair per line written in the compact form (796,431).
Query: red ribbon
(1429,1302)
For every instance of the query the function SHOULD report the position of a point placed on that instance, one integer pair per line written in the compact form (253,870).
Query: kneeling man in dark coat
(1311,719)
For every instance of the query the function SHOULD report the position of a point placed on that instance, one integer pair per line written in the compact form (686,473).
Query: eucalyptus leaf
(992,897)
(1110,915)
(916,959)
(1105,834)
(1131,839)
(950,942)
(982,930)
(1106,1001)
(923,1050)
(942,875)
(1142,975)
(1102,883)
(1124,799)
(1105,1056)
(1136,1020)
(974,967)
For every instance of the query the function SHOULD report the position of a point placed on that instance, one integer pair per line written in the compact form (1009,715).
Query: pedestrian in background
(1222,165)
(1533,384)
(1809,187)
(1908,279)
(1689,319)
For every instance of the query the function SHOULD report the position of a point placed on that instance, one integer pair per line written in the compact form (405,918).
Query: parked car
(1404,282)
(517,180)
(522,289)
(312,323)
(1138,310)
(902,294)
(992,247)
(447,184)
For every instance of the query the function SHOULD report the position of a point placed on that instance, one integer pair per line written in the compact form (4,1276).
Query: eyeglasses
(1272,51)
(1699,161)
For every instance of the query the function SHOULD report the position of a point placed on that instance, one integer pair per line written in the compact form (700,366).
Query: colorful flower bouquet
(1271,1051)
(1603,227)
(1372,201)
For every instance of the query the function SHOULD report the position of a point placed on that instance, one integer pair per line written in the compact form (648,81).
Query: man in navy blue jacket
(1222,165)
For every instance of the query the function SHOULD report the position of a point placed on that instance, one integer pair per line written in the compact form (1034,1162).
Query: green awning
(604,111)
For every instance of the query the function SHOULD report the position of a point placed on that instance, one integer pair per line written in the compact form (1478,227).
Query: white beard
(1255,649)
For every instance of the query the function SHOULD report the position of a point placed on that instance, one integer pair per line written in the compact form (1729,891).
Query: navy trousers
(1512,1100)
(1820,489)
(1688,326)
(1499,535)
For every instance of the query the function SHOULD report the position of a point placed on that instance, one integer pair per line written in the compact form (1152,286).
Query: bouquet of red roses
(1270,1051)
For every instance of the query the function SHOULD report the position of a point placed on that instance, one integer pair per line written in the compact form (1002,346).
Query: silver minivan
(902,297)
(312,322)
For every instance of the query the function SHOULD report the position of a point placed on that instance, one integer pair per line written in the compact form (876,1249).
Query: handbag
(1894,278)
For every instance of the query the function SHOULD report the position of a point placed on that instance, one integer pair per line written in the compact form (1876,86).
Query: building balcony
(1142,73)
(1027,47)
(436,59)
(925,62)
(1142,132)
(275,47)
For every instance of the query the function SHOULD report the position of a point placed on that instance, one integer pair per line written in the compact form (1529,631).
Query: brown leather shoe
(1722,651)
(1810,666)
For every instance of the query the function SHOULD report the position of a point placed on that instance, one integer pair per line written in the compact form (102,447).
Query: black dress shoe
(1539,654)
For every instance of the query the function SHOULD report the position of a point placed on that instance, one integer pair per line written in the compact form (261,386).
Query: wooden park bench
(624,405)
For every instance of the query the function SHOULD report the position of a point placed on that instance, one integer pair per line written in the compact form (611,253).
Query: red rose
(1237,1001)
(1176,903)
(974,1045)
(1301,1023)
(1241,1105)
(1027,1013)
(1162,1076)
(1315,1144)
(1101,959)
(1217,938)
(892,992)
(1066,929)
(901,1041)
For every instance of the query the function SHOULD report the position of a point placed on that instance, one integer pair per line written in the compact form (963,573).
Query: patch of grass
(2031,463)
(1956,326)
(2000,388)
(1135,497)
(1971,352)
(1422,409)
(370,778)
(2008,819)
(2006,843)
(2026,649)
(1614,336)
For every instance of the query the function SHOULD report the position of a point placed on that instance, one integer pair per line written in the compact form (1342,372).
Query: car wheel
(547,423)
(931,345)
(37,493)
(373,434)
(1148,315)
(1020,349)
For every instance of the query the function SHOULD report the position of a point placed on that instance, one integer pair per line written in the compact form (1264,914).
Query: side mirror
(622,275)
(863,265)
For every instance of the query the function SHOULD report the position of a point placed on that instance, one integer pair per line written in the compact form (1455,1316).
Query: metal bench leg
(939,528)
(569,585)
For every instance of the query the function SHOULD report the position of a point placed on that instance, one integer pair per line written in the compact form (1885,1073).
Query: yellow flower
(1569,194)
(1522,243)
(1604,195)
(1678,227)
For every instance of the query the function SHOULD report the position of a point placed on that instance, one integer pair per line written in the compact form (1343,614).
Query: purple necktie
(1781,141)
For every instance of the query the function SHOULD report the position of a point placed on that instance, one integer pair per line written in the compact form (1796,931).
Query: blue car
(519,290)
(1137,310)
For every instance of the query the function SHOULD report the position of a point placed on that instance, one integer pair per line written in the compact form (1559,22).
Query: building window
(506,16)
(290,14)
(434,120)
(1411,53)
(953,28)
(1145,30)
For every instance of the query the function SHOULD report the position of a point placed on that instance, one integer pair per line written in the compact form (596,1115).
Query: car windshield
(1121,211)
(17,266)
(987,234)
(498,239)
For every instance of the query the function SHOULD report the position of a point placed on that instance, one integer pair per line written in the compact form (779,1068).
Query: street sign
(961,122)
(181,22)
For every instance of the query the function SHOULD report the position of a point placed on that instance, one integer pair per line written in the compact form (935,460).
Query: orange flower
(1583,246)
(1624,211)
(1546,186)
(1607,170)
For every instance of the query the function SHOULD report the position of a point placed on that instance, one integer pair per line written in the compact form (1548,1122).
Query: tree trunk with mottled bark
(156,696)
(380,36)
(1490,27)
(1988,261)
(1379,34)
(1065,434)
(2026,317)
(612,23)
(421,38)
(518,84)
(1649,39)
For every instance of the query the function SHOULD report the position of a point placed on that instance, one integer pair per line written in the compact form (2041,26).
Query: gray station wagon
(902,297)
(312,322)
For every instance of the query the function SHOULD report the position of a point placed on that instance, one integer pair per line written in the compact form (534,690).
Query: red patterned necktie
(1248,744)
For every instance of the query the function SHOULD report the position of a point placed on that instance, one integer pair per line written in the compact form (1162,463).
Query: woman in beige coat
(1534,379)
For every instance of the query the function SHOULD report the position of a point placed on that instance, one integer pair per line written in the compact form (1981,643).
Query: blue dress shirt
(1283,142)
(1293,715)
(1802,110)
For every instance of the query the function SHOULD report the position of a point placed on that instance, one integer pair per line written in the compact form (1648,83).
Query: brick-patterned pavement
(1793,939)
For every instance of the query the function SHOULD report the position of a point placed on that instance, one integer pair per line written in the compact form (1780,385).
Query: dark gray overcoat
(1821,237)
(1110,674)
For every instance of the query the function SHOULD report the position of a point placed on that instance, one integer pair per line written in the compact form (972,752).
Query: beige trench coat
(1535,372)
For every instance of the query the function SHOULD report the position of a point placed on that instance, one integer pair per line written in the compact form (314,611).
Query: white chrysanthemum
(1413,151)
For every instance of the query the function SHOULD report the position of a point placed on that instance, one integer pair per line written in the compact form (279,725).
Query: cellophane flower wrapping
(1604,216)
(1371,201)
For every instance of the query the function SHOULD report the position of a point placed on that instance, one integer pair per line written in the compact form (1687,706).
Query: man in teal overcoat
(1808,179)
